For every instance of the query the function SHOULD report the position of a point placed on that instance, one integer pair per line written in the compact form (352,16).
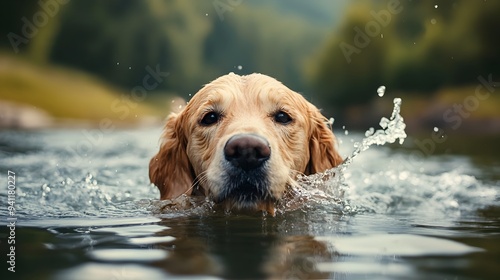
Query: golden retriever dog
(241,141)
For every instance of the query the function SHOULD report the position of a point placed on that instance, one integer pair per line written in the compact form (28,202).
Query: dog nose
(247,151)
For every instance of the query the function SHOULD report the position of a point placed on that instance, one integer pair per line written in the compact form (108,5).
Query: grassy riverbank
(63,94)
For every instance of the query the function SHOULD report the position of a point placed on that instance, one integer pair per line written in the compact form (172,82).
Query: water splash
(321,189)
(445,192)
(439,196)
(328,187)
(181,206)
(392,129)
(113,182)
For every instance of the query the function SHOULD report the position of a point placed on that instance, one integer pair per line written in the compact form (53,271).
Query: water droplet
(435,6)
(45,188)
(239,67)
(118,63)
(381,91)
(88,178)
(346,132)
(129,67)
(382,35)
(436,129)
(370,131)
(180,106)
(206,14)
(384,122)
(433,21)
(454,204)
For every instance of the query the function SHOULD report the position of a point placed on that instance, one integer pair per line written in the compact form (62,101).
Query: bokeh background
(72,63)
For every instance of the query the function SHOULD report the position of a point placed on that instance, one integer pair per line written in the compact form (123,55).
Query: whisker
(200,179)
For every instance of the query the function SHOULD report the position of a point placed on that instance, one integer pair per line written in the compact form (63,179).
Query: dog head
(242,140)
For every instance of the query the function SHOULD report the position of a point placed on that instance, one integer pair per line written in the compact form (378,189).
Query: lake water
(85,210)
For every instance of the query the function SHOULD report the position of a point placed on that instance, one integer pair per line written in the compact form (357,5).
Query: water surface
(86,210)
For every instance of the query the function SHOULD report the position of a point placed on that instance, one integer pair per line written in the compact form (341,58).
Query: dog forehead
(247,90)
(251,94)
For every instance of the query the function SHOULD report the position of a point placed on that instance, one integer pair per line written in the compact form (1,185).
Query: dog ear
(170,169)
(322,145)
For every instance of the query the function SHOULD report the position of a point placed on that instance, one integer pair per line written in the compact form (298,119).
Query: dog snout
(247,151)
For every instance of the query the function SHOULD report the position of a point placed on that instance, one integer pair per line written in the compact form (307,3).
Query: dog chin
(266,206)
(244,194)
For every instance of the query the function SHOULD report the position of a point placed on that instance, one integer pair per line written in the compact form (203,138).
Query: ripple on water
(128,255)
(111,271)
(391,253)
(402,245)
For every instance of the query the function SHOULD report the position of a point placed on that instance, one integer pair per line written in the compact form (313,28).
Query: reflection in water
(233,246)
(295,245)
(217,245)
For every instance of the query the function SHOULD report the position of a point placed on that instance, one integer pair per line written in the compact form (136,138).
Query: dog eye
(282,117)
(210,118)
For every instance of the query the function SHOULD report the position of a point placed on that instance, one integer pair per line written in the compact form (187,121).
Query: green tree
(426,46)
(115,40)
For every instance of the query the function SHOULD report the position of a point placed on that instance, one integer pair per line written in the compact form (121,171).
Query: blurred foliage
(426,46)
(243,40)
(195,41)
(421,49)
(107,37)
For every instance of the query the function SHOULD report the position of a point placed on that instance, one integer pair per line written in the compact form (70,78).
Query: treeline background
(431,53)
